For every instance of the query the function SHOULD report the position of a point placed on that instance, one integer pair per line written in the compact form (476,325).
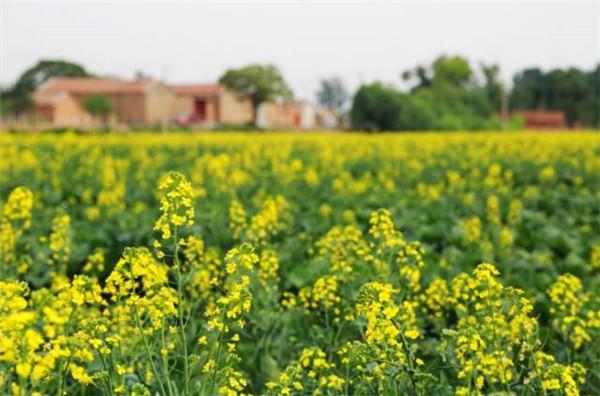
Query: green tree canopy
(491,84)
(45,69)
(572,90)
(377,107)
(333,94)
(528,90)
(258,83)
(18,97)
(454,70)
(97,105)
(445,96)
(422,76)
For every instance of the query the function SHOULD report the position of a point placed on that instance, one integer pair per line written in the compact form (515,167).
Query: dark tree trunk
(255,105)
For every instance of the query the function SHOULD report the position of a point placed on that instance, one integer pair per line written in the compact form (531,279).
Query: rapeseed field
(300,264)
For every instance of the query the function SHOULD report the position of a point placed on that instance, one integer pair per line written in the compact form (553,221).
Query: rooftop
(196,89)
(83,86)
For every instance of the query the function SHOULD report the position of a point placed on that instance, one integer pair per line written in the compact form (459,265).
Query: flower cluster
(556,377)
(572,317)
(137,271)
(15,218)
(236,301)
(271,219)
(17,209)
(471,229)
(495,330)
(311,374)
(176,204)
(60,242)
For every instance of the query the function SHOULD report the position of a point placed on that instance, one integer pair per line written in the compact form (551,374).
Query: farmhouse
(208,105)
(286,115)
(144,102)
(59,101)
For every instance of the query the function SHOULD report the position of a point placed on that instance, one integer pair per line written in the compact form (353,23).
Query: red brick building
(544,119)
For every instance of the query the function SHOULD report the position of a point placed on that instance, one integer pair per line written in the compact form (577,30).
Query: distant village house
(286,115)
(60,101)
(144,102)
(209,105)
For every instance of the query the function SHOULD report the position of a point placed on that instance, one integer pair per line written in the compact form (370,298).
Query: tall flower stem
(180,312)
(148,352)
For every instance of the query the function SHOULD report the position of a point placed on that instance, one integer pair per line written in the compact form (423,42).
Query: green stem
(181,322)
(147,348)
(110,386)
(62,377)
(165,362)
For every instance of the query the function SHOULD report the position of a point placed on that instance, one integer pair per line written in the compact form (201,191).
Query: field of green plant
(300,264)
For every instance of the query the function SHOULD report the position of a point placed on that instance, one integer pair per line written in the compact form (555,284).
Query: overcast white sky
(358,41)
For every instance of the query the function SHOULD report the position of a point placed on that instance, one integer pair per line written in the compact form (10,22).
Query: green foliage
(445,97)
(97,105)
(16,99)
(493,87)
(258,83)
(528,89)
(333,94)
(376,107)
(233,127)
(457,108)
(516,123)
(575,91)
(454,70)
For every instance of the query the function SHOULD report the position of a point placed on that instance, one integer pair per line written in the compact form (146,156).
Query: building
(209,105)
(145,102)
(286,115)
(543,119)
(327,118)
(60,101)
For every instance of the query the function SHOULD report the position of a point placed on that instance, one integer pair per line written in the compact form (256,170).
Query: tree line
(448,94)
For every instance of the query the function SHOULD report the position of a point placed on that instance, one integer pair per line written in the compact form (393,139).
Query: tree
(572,90)
(15,100)
(421,74)
(454,107)
(98,105)
(567,90)
(445,96)
(333,94)
(257,83)
(454,70)
(18,97)
(492,85)
(528,90)
(590,108)
(376,107)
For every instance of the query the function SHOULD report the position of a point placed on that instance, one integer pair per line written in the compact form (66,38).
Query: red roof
(84,86)
(197,89)
(49,98)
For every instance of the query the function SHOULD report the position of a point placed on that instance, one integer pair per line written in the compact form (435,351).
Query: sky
(359,41)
